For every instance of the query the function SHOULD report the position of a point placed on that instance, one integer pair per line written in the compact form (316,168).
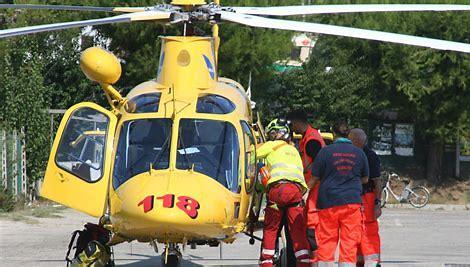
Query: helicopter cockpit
(206,146)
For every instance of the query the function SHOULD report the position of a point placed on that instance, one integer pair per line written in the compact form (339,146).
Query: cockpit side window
(145,103)
(250,156)
(214,104)
(82,146)
(143,144)
(210,147)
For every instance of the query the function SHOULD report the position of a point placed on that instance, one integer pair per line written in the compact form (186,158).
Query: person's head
(358,137)
(340,129)
(298,121)
(278,129)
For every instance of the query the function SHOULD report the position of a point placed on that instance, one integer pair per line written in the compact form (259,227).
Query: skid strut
(171,256)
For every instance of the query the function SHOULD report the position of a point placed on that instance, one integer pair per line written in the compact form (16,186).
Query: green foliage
(41,72)
(7,201)
(24,103)
(427,87)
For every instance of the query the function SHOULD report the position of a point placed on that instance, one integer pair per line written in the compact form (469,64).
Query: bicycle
(417,196)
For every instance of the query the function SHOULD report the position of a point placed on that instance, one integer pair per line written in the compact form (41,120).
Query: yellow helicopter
(174,161)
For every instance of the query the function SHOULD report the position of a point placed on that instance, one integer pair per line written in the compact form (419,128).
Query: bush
(7,201)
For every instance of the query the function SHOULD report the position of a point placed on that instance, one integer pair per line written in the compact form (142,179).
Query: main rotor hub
(206,13)
(188,2)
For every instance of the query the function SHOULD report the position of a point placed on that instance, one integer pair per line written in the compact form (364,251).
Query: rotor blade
(139,16)
(261,22)
(329,9)
(75,8)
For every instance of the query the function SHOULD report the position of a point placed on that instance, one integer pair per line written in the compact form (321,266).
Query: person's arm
(365,169)
(311,183)
(312,148)
(378,198)
(317,169)
(364,179)
(374,167)
(375,175)
(263,150)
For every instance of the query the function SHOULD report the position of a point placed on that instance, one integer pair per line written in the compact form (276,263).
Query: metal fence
(13,163)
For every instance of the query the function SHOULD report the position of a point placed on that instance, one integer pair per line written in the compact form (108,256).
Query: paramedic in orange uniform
(369,249)
(341,168)
(309,146)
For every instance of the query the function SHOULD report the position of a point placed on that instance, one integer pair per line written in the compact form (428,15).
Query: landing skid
(171,256)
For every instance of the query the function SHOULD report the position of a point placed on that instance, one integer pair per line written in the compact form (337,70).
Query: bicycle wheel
(418,197)
(384,199)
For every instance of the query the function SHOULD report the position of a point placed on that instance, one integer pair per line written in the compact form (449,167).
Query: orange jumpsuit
(368,252)
(340,167)
(307,161)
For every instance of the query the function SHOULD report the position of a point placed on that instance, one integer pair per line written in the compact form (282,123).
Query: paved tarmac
(410,237)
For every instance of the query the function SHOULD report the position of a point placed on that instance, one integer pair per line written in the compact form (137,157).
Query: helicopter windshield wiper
(184,152)
(165,147)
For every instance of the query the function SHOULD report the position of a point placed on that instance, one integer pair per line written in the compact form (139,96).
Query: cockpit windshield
(143,144)
(210,147)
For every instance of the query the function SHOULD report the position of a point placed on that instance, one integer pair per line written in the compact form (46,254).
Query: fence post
(14,163)
(4,160)
(24,177)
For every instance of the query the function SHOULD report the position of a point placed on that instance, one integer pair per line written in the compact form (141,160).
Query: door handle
(62,178)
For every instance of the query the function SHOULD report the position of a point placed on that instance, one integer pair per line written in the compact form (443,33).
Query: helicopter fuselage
(176,159)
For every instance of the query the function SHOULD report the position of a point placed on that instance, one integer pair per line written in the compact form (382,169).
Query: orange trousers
(369,250)
(284,200)
(311,207)
(341,224)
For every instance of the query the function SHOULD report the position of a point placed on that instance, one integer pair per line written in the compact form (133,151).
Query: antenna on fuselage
(248,93)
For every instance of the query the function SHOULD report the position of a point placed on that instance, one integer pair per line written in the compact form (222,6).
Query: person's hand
(377,210)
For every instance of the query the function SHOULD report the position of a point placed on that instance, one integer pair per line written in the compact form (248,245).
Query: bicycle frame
(398,197)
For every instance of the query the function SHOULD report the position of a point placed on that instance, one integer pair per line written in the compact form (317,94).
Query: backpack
(90,247)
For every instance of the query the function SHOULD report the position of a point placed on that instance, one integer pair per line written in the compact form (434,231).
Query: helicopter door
(78,170)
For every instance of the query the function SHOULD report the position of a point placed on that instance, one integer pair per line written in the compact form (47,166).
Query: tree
(427,86)
(41,71)
(23,101)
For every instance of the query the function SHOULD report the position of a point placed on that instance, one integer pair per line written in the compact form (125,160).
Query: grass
(32,213)
(467,197)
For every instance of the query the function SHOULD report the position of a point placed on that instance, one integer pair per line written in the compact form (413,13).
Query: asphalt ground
(410,237)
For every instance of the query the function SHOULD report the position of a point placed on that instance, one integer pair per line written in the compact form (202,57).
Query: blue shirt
(374,169)
(340,167)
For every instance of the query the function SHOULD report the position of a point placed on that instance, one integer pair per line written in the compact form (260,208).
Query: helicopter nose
(183,202)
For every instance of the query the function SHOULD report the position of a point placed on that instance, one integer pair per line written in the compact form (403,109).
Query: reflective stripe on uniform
(301,253)
(346,264)
(326,264)
(304,260)
(287,165)
(266,261)
(268,252)
(372,257)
